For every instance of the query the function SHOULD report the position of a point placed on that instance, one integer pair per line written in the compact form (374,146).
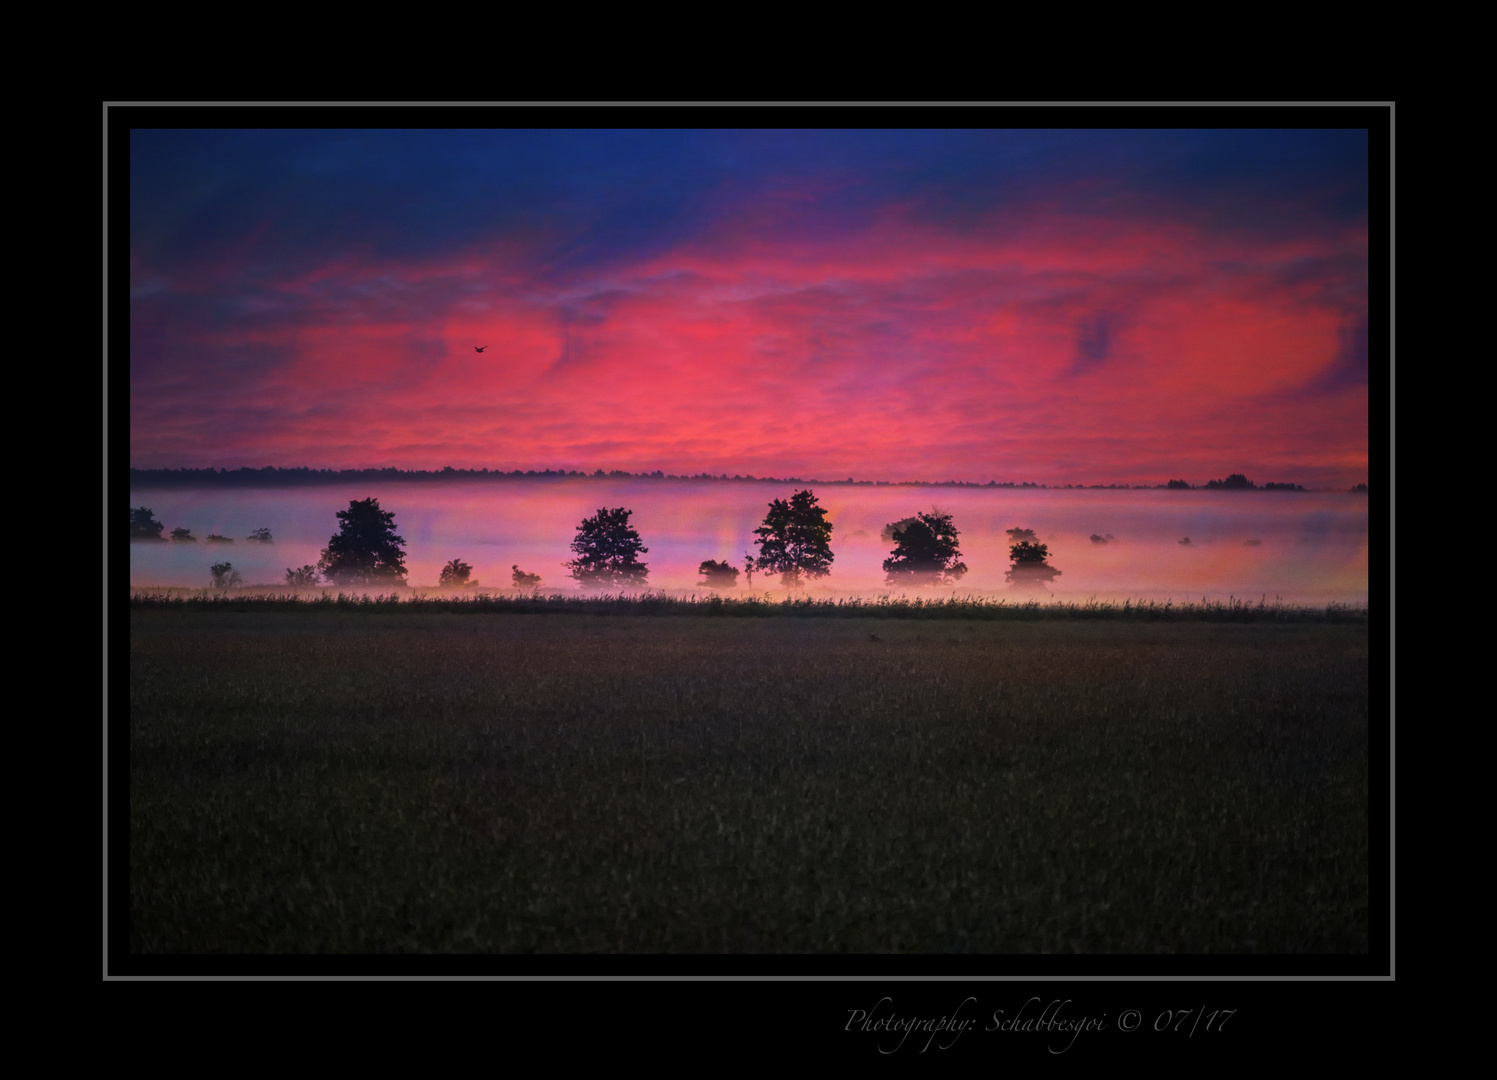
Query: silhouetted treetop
(143,524)
(926,551)
(1235,482)
(795,540)
(456,575)
(886,534)
(718,575)
(1029,569)
(365,550)
(608,550)
(1027,552)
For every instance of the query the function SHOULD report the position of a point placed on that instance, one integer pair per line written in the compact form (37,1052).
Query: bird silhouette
(479,348)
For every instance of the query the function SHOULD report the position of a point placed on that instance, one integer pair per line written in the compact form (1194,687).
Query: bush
(143,524)
(184,536)
(225,576)
(522,580)
(718,575)
(455,575)
(1030,570)
(305,578)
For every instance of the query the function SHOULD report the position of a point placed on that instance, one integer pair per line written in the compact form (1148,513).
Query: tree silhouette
(926,551)
(718,575)
(523,580)
(144,526)
(1235,482)
(455,575)
(365,549)
(260,536)
(305,578)
(608,550)
(225,576)
(795,540)
(1030,570)
(184,535)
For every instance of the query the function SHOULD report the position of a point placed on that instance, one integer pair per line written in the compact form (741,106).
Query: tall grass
(887,606)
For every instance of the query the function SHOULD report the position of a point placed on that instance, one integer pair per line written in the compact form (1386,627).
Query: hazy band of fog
(1305,547)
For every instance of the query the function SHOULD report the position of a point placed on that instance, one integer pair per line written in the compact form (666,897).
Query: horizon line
(448,472)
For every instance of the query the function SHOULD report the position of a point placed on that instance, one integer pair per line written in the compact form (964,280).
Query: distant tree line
(301,476)
(1236,482)
(144,526)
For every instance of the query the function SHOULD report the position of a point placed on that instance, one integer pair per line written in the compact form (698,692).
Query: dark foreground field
(312,782)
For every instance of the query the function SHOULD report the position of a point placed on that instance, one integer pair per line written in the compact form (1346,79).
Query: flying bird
(479,348)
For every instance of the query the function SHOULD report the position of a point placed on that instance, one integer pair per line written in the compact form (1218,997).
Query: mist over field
(1300,547)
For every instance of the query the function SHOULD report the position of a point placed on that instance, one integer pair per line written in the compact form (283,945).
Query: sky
(1047,306)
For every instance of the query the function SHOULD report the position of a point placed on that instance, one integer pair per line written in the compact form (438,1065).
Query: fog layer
(1300,547)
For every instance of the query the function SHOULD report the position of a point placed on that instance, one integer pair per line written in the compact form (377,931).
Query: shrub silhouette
(260,536)
(718,575)
(144,526)
(523,580)
(456,575)
(1029,569)
(182,535)
(225,576)
(305,578)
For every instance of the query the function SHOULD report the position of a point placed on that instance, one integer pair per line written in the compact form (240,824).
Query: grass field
(344,780)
